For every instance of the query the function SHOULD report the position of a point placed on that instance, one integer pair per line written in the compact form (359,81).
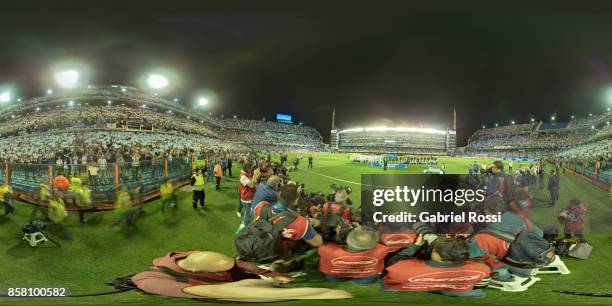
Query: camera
(33,227)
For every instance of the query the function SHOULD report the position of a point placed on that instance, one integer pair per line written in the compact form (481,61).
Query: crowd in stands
(552,139)
(264,125)
(593,159)
(400,142)
(66,117)
(68,148)
(588,122)
(507,129)
(272,138)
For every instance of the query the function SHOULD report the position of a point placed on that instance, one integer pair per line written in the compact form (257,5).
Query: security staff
(197,181)
(553,187)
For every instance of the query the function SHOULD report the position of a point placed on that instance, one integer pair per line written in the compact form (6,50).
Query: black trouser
(240,206)
(554,196)
(169,201)
(310,165)
(8,205)
(229,170)
(198,195)
(217,183)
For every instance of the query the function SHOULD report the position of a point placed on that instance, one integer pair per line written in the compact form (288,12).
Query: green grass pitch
(93,253)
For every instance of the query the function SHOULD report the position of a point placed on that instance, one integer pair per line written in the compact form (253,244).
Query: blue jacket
(265,193)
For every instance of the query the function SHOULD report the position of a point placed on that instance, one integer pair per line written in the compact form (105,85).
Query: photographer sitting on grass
(448,272)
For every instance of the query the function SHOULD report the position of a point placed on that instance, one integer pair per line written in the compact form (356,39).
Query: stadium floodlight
(202,101)
(5,97)
(70,103)
(592,127)
(13,116)
(38,109)
(157,81)
(235,116)
(608,109)
(109,102)
(573,116)
(496,125)
(552,118)
(175,100)
(18,99)
(49,91)
(484,127)
(512,122)
(532,119)
(590,115)
(67,78)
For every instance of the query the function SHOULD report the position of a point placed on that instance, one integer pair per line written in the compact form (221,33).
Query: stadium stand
(539,139)
(118,135)
(394,140)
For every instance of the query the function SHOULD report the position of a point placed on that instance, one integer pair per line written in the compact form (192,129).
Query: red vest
(336,261)
(398,240)
(246,193)
(418,275)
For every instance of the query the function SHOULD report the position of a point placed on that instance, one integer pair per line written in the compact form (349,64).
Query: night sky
(378,62)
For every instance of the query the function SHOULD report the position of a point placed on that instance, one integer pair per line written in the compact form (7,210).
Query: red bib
(418,275)
(336,261)
(398,240)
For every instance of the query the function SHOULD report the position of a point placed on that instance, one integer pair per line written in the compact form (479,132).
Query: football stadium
(152,190)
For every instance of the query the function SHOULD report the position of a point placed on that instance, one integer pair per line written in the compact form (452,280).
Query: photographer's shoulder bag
(527,249)
(261,240)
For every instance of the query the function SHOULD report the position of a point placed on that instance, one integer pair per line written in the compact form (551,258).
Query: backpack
(527,249)
(330,221)
(261,240)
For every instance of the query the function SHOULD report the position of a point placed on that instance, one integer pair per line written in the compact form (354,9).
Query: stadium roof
(393,129)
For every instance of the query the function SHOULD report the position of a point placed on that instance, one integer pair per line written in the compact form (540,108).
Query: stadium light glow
(592,127)
(5,97)
(608,109)
(484,127)
(202,101)
(49,91)
(175,100)
(532,119)
(552,118)
(235,116)
(590,115)
(67,78)
(573,116)
(70,103)
(512,122)
(157,81)
(109,102)
(496,125)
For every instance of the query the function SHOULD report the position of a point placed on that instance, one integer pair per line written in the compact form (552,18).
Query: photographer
(247,185)
(448,272)
(361,259)
(498,181)
(267,190)
(6,198)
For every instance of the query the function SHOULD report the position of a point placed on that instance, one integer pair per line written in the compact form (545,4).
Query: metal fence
(102,180)
(601,175)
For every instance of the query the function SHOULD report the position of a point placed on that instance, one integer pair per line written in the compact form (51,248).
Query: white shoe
(238,214)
